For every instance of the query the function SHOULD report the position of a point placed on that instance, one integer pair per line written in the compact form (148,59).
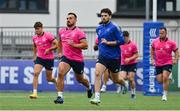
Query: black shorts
(129,68)
(78,67)
(160,69)
(111,64)
(47,63)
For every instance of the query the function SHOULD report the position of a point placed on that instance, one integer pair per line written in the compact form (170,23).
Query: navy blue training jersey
(110,32)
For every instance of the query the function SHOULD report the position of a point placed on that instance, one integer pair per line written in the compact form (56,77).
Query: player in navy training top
(109,39)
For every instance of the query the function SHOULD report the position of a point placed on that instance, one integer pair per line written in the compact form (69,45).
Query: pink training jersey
(163,51)
(128,50)
(96,40)
(75,35)
(42,43)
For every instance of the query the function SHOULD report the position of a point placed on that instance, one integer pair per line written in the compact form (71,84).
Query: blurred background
(17,18)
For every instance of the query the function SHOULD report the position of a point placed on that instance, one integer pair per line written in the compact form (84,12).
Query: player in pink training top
(129,55)
(71,42)
(161,57)
(43,45)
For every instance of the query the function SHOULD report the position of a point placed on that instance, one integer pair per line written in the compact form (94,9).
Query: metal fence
(16,42)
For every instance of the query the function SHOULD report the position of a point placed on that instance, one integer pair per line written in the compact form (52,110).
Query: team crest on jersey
(44,39)
(73,34)
(99,32)
(62,35)
(167,46)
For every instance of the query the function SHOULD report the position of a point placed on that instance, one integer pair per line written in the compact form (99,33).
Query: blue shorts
(129,68)
(78,67)
(160,69)
(47,63)
(111,64)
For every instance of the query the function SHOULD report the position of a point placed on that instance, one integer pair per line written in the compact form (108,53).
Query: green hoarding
(175,83)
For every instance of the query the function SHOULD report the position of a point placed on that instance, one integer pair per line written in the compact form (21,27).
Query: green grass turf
(79,101)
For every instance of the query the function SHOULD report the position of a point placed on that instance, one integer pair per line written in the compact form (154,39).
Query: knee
(165,79)
(131,79)
(61,73)
(160,81)
(36,74)
(97,74)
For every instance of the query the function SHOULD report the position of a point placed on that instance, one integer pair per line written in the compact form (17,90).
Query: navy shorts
(47,63)
(78,67)
(111,64)
(129,68)
(160,69)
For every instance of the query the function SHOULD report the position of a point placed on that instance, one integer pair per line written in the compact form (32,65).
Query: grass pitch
(79,101)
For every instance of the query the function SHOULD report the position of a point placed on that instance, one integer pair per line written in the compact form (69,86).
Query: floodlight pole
(57,16)
(154,10)
(147,10)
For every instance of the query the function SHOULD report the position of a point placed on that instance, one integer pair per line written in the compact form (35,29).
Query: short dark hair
(71,13)
(38,24)
(125,33)
(106,10)
(163,28)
